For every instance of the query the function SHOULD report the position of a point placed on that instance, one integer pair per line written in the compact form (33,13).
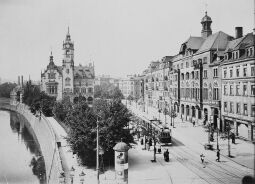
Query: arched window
(215,91)
(67,81)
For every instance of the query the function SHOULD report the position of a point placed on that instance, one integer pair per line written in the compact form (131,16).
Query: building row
(209,81)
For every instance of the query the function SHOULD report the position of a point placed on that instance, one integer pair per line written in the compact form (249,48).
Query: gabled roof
(216,41)
(233,44)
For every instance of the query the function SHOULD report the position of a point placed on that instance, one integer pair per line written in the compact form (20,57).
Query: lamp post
(154,146)
(72,172)
(228,129)
(82,177)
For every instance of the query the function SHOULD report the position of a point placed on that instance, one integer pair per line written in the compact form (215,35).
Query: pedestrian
(202,158)
(218,155)
(233,137)
(150,142)
(142,141)
(193,123)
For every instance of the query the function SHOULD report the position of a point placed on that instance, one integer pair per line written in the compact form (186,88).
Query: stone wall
(46,138)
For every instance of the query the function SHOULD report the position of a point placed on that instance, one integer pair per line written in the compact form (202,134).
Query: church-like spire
(206,26)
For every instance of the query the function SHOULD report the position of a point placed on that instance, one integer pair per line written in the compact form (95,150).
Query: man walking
(218,155)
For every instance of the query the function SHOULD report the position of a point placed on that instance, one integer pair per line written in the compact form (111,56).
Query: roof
(194,43)
(245,41)
(217,41)
(206,18)
(83,72)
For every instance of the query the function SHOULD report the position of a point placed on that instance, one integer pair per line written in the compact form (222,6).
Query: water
(21,161)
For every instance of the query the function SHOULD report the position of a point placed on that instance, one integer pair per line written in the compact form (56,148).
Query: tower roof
(206,18)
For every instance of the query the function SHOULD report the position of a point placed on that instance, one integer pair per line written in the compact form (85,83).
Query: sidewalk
(69,160)
(242,152)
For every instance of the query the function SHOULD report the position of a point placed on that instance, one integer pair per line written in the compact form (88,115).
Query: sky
(121,37)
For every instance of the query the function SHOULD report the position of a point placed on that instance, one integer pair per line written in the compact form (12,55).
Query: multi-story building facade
(238,85)
(156,83)
(68,80)
(131,86)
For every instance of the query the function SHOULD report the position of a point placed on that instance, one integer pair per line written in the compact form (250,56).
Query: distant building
(131,86)
(106,80)
(68,80)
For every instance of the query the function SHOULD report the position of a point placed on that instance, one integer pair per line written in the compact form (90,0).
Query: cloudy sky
(120,36)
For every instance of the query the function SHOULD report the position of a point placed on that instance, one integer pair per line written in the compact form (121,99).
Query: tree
(6,88)
(38,101)
(61,109)
(113,118)
(116,94)
(173,115)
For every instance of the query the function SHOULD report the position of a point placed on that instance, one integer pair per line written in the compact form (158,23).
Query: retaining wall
(46,138)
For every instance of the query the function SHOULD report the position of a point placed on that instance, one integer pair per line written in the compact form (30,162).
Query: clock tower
(68,64)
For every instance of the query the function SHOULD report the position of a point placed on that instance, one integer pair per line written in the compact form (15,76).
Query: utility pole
(97,166)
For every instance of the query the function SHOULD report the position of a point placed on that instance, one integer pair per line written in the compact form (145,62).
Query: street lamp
(154,146)
(82,177)
(72,172)
(61,178)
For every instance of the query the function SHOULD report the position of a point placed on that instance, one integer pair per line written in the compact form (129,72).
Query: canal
(21,161)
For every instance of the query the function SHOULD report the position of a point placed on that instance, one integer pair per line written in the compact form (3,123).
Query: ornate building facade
(68,80)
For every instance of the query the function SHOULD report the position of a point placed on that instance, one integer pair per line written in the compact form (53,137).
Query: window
(205,74)
(182,66)
(253,89)
(231,90)
(197,75)
(215,72)
(204,60)
(237,72)
(187,64)
(245,112)
(225,90)
(192,75)
(215,94)
(67,81)
(252,70)
(225,106)
(244,71)
(238,90)
(231,73)
(205,93)
(252,110)
(225,73)
(245,89)
(238,108)
(67,70)
(231,107)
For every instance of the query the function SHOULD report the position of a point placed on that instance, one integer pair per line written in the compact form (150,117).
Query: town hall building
(68,80)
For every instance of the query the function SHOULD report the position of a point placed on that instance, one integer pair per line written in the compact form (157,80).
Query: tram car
(165,136)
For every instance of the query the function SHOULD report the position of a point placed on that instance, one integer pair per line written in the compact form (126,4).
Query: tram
(165,136)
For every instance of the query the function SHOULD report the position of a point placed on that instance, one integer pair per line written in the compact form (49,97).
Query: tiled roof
(233,44)
(215,41)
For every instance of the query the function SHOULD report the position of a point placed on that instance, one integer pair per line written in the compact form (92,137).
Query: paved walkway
(70,160)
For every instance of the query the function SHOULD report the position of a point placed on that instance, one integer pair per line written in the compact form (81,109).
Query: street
(185,165)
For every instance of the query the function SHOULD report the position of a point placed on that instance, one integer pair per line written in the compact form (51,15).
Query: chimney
(239,32)
(19,80)
(22,81)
